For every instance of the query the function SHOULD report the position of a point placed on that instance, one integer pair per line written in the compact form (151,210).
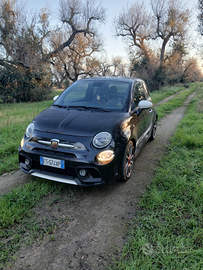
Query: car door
(141,117)
(149,112)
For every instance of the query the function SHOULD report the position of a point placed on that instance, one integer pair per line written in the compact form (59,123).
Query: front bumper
(95,174)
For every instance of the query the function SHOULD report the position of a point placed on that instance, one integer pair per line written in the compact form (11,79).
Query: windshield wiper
(78,107)
(90,108)
(60,106)
(99,109)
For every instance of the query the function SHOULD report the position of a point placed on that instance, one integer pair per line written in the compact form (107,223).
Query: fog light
(83,172)
(105,157)
(27,161)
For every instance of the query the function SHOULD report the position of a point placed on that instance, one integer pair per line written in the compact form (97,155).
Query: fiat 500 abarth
(91,133)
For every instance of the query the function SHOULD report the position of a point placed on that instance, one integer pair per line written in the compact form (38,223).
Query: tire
(128,161)
(153,132)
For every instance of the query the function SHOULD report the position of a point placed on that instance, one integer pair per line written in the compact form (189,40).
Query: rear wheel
(153,132)
(128,161)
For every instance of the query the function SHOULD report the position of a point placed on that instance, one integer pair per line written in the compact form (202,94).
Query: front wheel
(128,161)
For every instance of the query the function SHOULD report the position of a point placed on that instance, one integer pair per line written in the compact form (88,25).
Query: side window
(138,94)
(147,95)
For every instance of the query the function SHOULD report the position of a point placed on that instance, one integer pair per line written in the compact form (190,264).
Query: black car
(91,133)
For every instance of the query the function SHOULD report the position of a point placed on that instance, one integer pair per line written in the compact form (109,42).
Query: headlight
(22,142)
(29,130)
(102,139)
(105,157)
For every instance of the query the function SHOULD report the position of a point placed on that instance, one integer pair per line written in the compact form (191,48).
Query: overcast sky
(114,46)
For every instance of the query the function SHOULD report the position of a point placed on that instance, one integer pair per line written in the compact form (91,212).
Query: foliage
(23,76)
(174,71)
(20,85)
(26,45)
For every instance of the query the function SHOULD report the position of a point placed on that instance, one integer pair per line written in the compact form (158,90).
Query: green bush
(18,84)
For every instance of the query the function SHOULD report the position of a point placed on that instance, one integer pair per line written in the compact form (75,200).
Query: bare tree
(21,39)
(149,34)
(171,22)
(78,17)
(71,62)
(8,30)
(25,43)
(168,20)
(119,67)
(92,67)
(191,71)
(21,46)
(134,25)
(98,66)
(200,16)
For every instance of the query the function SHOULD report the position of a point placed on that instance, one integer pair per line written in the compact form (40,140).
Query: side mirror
(55,98)
(144,104)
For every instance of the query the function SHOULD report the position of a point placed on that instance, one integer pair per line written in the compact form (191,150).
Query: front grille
(54,153)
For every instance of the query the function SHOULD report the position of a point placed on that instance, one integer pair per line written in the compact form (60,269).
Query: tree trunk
(163,48)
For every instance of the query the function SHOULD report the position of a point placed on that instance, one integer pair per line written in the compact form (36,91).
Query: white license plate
(52,162)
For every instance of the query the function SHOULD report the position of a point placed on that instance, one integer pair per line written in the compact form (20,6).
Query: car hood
(76,122)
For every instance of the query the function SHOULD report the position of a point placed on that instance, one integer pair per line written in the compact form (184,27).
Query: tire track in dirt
(100,217)
(12,180)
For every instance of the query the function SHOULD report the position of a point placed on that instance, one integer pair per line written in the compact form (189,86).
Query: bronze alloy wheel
(128,161)
(153,133)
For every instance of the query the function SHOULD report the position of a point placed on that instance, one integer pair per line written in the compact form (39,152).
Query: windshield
(102,94)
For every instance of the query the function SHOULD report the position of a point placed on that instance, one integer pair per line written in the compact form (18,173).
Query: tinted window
(111,95)
(79,93)
(147,96)
(139,94)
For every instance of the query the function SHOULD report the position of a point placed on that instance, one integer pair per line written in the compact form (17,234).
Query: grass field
(168,228)
(168,224)
(14,119)
(167,91)
(175,102)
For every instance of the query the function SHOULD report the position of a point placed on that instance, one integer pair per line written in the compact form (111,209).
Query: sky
(113,46)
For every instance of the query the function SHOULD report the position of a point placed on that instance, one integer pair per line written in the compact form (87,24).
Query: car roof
(119,79)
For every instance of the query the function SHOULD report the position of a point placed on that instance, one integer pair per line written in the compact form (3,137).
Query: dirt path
(97,218)
(12,180)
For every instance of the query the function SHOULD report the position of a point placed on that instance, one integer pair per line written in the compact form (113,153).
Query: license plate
(52,162)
